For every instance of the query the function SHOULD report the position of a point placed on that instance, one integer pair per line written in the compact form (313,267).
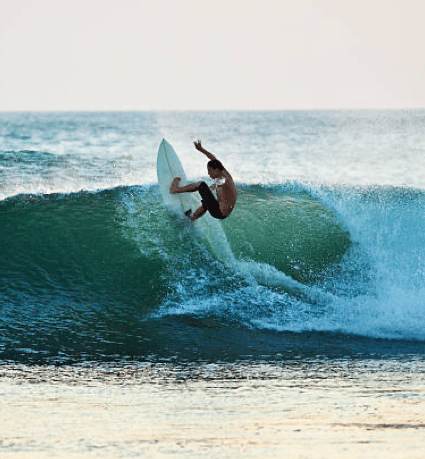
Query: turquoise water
(94,267)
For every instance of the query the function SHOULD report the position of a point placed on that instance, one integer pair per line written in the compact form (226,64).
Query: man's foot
(175,185)
(188,213)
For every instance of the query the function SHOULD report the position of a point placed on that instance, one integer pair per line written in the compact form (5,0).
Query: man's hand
(198,146)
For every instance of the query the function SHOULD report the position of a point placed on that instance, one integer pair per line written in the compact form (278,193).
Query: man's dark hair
(215,164)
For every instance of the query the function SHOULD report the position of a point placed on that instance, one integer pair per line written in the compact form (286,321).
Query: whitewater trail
(211,231)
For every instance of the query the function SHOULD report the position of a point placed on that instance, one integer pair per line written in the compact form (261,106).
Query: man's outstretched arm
(200,148)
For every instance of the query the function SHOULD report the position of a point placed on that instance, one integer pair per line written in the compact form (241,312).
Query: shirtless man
(226,190)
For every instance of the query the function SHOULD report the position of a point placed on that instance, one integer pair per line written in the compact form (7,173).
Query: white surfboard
(168,166)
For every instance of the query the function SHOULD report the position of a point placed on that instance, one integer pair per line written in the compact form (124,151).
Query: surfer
(224,185)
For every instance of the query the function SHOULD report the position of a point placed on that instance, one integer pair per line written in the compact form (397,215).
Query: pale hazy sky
(216,54)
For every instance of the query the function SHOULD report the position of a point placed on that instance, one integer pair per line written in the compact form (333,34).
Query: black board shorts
(209,202)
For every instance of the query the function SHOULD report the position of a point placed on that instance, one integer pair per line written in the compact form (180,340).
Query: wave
(112,273)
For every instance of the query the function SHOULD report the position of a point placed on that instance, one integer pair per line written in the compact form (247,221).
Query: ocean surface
(98,279)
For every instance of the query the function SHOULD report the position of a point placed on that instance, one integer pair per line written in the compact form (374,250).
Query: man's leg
(198,213)
(191,187)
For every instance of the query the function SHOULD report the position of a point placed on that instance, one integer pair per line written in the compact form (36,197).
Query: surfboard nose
(164,144)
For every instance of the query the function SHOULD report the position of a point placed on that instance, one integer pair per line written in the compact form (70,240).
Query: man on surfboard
(221,207)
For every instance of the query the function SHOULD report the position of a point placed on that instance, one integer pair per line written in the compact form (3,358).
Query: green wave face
(89,275)
(293,232)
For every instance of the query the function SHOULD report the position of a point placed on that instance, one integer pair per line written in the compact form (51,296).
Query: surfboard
(169,166)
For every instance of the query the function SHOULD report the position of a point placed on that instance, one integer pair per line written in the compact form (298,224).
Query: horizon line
(123,110)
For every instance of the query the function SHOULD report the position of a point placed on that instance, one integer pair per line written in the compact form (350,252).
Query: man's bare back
(227,194)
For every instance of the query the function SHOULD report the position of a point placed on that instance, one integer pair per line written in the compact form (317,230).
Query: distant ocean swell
(110,274)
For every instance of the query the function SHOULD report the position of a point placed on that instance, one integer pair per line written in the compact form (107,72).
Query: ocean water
(99,280)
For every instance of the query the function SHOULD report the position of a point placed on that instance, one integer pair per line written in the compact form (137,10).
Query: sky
(211,55)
